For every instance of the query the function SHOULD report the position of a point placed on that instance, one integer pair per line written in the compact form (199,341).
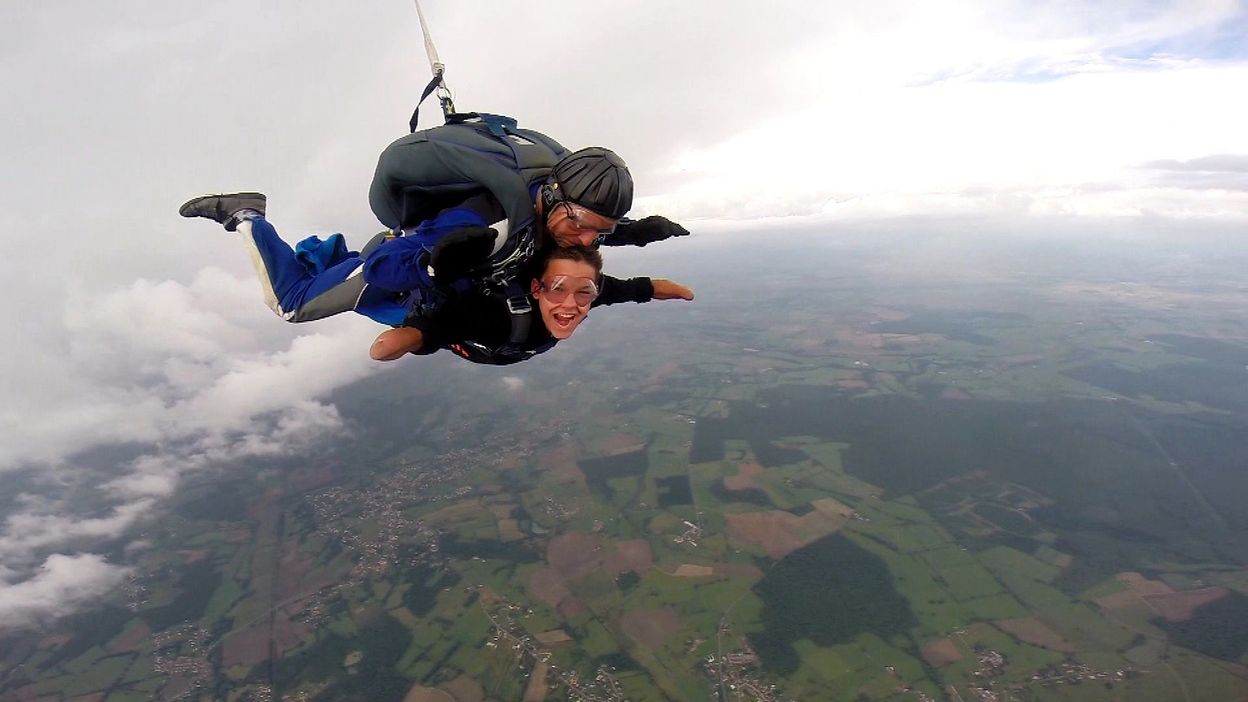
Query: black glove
(462,251)
(644,231)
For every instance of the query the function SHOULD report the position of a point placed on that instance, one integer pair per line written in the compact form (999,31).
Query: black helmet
(594,178)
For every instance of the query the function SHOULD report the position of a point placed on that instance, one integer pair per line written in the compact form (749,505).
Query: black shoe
(222,208)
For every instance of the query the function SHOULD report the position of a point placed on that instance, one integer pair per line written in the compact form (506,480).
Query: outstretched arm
(617,290)
(395,343)
(643,231)
(665,289)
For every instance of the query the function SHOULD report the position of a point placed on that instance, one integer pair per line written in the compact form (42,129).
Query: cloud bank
(195,372)
(59,586)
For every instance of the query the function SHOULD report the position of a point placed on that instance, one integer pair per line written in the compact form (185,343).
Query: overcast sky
(130,324)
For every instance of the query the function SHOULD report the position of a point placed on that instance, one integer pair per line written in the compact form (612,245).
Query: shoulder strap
(521,311)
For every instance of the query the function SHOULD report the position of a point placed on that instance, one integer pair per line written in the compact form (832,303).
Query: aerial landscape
(888,466)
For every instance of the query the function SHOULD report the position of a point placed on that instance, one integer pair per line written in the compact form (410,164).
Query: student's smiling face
(564,294)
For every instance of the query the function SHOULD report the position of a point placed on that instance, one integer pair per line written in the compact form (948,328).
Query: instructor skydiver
(476,200)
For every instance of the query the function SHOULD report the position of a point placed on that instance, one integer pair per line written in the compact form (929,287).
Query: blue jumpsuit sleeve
(396,265)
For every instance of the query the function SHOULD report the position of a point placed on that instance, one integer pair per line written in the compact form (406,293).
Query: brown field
(577,554)
(546,585)
(624,556)
(465,689)
(420,693)
(775,531)
(1180,606)
(780,533)
(1033,631)
(744,479)
(1119,600)
(293,572)
(251,645)
(571,607)
(553,636)
(509,530)
(941,652)
(537,689)
(560,463)
(951,393)
(502,511)
(833,508)
(248,647)
(651,627)
(687,570)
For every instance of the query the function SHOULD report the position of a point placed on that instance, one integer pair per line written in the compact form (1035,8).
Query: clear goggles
(582,218)
(583,290)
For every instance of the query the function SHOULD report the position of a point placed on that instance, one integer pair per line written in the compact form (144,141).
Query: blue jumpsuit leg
(291,289)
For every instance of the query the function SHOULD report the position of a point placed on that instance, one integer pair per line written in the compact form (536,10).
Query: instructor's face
(564,294)
(573,225)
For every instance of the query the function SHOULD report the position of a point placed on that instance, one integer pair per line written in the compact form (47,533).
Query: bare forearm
(395,343)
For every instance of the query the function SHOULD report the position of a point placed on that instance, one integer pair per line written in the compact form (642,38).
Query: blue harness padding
(318,256)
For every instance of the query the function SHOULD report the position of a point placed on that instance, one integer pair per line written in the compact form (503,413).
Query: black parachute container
(428,170)
(422,173)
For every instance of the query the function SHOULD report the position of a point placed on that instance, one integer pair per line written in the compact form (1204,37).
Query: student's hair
(581,254)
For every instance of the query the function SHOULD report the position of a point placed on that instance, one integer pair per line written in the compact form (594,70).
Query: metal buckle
(507,268)
(519,305)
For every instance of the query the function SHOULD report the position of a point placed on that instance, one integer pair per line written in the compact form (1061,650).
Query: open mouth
(564,320)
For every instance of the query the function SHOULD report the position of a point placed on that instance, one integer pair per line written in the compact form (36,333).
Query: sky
(140,335)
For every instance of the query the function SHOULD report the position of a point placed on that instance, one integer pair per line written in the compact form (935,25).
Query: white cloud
(27,531)
(59,586)
(988,144)
(197,372)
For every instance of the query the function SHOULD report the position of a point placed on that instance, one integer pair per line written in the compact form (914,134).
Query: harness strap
(432,86)
(444,94)
(521,319)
